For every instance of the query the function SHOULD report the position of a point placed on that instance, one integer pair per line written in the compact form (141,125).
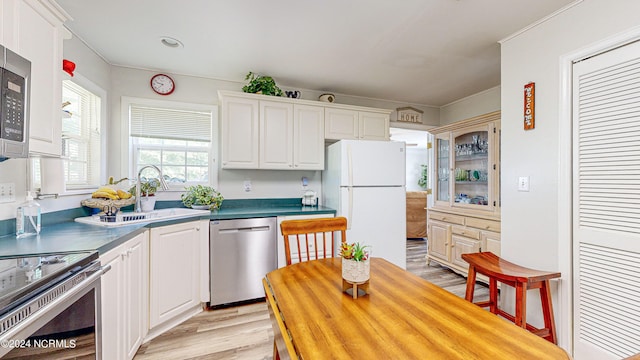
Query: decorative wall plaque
(409,114)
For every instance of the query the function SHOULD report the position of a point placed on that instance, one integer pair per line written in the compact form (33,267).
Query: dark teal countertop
(69,237)
(65,235)
(243,209)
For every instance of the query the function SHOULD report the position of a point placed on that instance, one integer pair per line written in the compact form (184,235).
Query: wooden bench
(522,279)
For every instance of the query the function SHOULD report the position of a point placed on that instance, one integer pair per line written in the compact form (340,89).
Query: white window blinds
(165,123)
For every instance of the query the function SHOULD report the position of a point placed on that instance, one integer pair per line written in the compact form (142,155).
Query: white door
(376,216)
(606,204)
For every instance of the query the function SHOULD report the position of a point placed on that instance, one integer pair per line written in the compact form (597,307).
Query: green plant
(424,176)
(202,195)
(354,251)
(262,84)
(148,187)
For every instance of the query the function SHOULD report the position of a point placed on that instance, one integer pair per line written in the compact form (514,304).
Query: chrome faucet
(163,184)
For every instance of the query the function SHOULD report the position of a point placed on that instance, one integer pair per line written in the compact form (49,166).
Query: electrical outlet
(247,185)
(7,192)
(523,183)
(8,279)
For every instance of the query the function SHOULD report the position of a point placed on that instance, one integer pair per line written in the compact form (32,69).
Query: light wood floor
(244,332)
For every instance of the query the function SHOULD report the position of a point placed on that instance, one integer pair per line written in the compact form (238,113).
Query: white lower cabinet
(124,298)
(177,275)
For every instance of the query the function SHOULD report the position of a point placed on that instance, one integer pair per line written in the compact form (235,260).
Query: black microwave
(15,82)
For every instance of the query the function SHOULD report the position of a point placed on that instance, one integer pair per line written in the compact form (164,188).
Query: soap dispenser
(28,221)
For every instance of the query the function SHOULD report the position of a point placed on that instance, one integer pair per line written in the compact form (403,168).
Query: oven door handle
(106,268)
(39,318)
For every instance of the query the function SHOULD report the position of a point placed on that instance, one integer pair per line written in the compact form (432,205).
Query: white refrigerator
(365,182)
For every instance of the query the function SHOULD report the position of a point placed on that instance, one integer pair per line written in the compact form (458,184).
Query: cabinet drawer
(483,224)
(453,219)
(466,232)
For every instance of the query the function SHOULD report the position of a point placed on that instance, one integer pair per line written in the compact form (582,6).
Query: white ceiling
(427,52)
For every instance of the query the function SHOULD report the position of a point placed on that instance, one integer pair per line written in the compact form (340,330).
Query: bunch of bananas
(106,192)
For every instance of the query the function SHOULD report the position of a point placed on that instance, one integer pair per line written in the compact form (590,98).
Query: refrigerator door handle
(350,186)
(350,210)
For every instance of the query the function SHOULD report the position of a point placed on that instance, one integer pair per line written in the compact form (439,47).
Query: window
(81,162)
(80,136)
(175,137)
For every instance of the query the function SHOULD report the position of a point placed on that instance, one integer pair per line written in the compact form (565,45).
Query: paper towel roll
(52,176)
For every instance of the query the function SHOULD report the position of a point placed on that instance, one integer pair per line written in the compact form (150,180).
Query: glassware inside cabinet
(471,168)
(442,165)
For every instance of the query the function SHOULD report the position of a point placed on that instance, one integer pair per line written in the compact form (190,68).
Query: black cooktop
(23,277)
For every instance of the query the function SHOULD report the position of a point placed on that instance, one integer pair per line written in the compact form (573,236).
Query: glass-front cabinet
(471,167)
(467,167)
(465,214)
(442,166)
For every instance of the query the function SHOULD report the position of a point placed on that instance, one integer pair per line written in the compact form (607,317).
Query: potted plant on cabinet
(202,197)
(264,85)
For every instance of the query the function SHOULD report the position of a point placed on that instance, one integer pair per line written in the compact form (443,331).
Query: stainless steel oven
(50,307)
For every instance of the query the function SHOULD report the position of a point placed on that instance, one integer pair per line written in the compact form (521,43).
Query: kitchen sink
(130,217)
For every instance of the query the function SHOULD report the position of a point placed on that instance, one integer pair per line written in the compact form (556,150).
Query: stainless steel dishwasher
(243,251)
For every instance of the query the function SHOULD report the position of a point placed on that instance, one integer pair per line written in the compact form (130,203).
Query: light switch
(305,181)
(523,183)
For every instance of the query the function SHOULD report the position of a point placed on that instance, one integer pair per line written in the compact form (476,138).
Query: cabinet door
(276,135)
(136,270)
(462,245)
(490,241)
(174,271)
(308,137)
(442,170)
(373,126)
(40,41)
(473,168)
(341,124)
(240,133)
(439,239)
(113,305)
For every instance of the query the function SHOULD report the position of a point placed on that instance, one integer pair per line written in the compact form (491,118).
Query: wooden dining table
(402,317)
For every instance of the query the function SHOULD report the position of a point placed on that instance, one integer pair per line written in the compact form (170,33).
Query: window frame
(101,93)
(127,163)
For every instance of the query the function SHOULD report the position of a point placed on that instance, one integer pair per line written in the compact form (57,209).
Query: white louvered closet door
(606,204)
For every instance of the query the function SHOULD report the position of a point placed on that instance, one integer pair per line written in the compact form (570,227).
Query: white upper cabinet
(33,29)
(276,135)
(291,136)
(269,132)
(240,132)
(373,126)
(341,124)
(308,137)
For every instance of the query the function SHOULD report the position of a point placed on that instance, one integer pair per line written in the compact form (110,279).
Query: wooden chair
(521,278)
(313,237)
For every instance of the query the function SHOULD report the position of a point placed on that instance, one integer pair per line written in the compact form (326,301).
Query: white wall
(477,104)
(536,224)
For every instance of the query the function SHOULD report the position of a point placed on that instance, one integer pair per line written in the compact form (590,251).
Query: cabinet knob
(198,229)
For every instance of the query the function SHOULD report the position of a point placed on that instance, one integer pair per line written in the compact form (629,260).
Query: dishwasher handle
(244,229)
